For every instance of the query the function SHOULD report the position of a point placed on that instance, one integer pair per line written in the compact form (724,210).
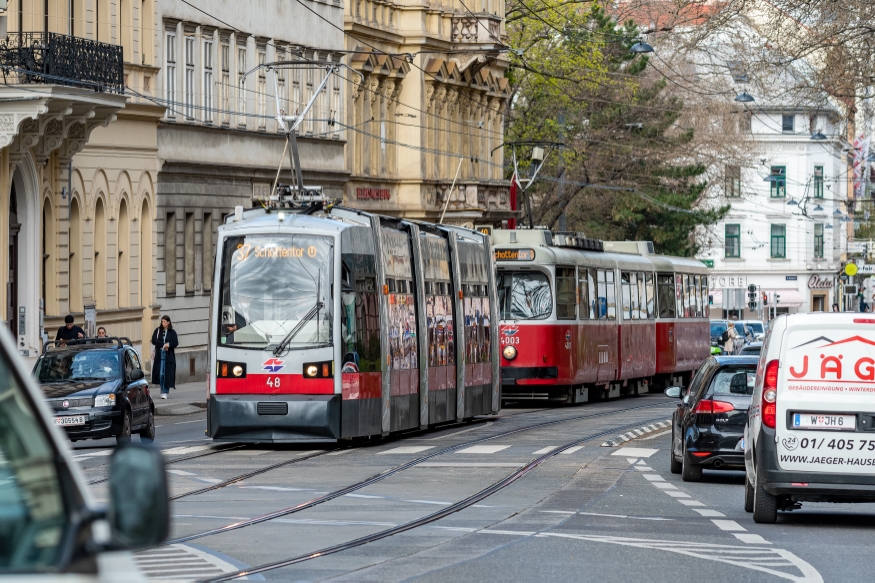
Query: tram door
(440,325)
(475,265)
(402,327)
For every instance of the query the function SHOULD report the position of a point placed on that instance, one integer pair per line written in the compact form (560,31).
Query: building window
(787,122)
(189,78)
(732,240)
(170,74)
(779,241)
(262,91)
(281,80)
(778,184)
(208,81)
(190,252)
(209,260)
(241,85)
(170,247)
(733,181)
(226,84)
(818,182)
(818,241)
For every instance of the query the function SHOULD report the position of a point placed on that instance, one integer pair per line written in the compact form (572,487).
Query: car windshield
(524,295)
(717,328)
(77,365)
(276,287)
(755,326)
(734,381)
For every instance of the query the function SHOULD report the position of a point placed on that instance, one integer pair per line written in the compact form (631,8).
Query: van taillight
(864,320)
(708,406)
(770,394)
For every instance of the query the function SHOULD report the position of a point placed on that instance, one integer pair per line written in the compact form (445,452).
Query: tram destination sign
(514,254)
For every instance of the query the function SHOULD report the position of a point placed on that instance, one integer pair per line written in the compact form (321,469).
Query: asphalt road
(589,512)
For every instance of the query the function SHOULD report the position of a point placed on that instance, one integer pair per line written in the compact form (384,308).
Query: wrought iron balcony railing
(47,57)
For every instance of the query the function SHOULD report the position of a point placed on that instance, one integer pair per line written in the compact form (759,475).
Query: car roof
(109,343)
(735,360)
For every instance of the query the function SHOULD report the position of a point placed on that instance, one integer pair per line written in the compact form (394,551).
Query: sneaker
(163,395)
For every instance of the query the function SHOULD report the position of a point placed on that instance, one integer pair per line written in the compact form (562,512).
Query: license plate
(70,421)
(821,421)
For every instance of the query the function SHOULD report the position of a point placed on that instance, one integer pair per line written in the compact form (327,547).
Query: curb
(623,438)
(179,408)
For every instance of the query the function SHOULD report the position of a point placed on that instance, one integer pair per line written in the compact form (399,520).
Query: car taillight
(709,406)
(770,394)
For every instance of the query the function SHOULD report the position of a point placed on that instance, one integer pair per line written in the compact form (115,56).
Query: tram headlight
(312,371)
(230,370)
(238,371)
(319,370)
(509,352)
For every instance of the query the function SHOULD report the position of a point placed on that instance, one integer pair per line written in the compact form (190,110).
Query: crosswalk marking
(91,454)
(544,450)
(180,562)
(184,449)
(636,451)
(408,449)
(483,449)
(708,512)
(752,539)
(654,478)
(571,450)
(180,473)
(727,525)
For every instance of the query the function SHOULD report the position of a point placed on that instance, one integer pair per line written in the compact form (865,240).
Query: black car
(751,349)
(708,425)
(97,388)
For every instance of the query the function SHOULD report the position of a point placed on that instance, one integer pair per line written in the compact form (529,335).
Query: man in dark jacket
(69,331)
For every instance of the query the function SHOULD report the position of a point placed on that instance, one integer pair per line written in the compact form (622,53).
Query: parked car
(751,349)
(708,424)
(718,327)
(809,434)
(51,526)
(753,329)
(96,388)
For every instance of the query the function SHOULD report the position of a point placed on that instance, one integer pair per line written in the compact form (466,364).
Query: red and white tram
(331,324)
(581,318)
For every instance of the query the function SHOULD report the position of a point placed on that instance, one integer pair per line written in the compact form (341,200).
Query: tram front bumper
(274,418)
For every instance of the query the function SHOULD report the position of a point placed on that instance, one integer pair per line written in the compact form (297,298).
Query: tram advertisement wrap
(831,380)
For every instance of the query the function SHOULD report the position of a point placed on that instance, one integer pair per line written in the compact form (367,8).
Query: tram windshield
(524,295)
(276,292)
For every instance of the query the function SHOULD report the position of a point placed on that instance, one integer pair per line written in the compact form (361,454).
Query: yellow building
(429,106)
(78,168)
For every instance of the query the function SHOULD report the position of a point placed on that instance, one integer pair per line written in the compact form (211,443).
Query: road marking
(708,512)
(654,477)
(664,485)
(751,539)
(341,452)
(279,489)
(408,449)
(183,450)
(571,450)
(195,421)
(483,449)
(181,561)
(460,432)
(85,456)
(690,502)
(467,465)
(606,515)
(636,451)
(678,495)
(255,452)
(180,473)
(633,460)
(643,468)
(545,450)
(728,525)
(655,435)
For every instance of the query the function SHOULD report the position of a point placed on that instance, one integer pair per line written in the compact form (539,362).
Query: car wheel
(690,472)
(147,435)
(765,506)
(124,437)
(674,465)
(748,495)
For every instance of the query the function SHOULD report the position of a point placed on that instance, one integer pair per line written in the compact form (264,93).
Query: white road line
(654,478)
(708,512)
(571,450)
(677,494)
(690,502)
(655,435)
(545,450)
(180,473)
(664,485)
(460,432)
(751,539)
(407,449)
(468,465)
(643,468)
(93,454)
(195,421)
(728,525)
(632,460)
(636,451)
(483,449)
(183,450)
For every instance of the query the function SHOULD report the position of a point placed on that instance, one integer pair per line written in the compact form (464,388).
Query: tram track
(175,461)
(395,470)
(429,518)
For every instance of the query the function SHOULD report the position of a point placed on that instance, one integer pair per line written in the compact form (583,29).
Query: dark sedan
(751,349)
(97,389)
(708,425)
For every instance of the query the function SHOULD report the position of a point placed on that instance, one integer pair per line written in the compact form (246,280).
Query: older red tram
(580,318)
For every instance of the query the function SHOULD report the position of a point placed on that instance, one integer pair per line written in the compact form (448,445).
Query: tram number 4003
(273,382)
(505,340)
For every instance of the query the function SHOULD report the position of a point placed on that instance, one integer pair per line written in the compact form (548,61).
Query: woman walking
(731,335)
(164,358)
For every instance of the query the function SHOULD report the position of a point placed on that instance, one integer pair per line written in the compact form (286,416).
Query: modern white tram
(332,323)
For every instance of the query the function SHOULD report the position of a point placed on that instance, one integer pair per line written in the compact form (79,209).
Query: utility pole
(562,218)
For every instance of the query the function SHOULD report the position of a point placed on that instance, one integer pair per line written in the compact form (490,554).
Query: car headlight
(104,400)
(509,352)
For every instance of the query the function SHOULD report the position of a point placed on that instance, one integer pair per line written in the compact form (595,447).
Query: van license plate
(821,421)
(70,421)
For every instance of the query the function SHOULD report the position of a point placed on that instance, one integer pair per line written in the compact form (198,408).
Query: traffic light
(765,299)
(752,297)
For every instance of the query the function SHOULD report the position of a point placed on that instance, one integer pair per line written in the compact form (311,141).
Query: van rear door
(826,398)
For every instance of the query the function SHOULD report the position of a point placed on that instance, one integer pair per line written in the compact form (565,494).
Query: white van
(810,435)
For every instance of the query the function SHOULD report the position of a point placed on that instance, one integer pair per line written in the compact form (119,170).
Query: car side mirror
(136,375)
(139,513)
(673,392)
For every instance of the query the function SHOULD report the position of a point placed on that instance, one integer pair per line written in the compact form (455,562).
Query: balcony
(481,30)
(58,59)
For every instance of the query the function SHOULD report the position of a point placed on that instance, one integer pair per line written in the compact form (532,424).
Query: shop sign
(817,282)
(790,278)
(372,193)
(728,281)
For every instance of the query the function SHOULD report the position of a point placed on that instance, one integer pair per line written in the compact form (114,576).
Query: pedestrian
(835,307)
(165,341)
(729,346)
(101,332)
(69,331)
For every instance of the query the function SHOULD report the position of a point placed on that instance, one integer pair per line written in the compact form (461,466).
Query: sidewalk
(186,399)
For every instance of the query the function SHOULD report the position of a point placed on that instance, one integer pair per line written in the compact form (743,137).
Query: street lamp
(744,97)
(792,202)
(818,136)
(817,209)
(641,48)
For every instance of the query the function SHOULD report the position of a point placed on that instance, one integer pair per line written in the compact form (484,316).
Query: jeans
(161,376)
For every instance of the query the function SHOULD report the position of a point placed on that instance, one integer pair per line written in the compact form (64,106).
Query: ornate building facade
(426,109)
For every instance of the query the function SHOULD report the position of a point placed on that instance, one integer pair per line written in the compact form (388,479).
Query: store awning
(790,298)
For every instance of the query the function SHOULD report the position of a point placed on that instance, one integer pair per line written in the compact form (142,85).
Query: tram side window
(666,296)
(649,296)
(625,287)
(586,289)
(689,296)
(607,306)
(698,296)
(679,294)
(367,325)
(612,302)
(642,298)
(566,296)
(706,304)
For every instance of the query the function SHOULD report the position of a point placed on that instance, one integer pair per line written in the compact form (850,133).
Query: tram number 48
(273,382)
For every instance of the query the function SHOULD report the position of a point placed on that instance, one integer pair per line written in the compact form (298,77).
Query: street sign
(843,277)
(709,263)
(851,269)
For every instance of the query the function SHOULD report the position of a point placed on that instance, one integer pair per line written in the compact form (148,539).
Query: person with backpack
(728,339)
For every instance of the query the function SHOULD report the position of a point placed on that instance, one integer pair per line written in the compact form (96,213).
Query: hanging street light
(744,97)
(641,48)
(818,136)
